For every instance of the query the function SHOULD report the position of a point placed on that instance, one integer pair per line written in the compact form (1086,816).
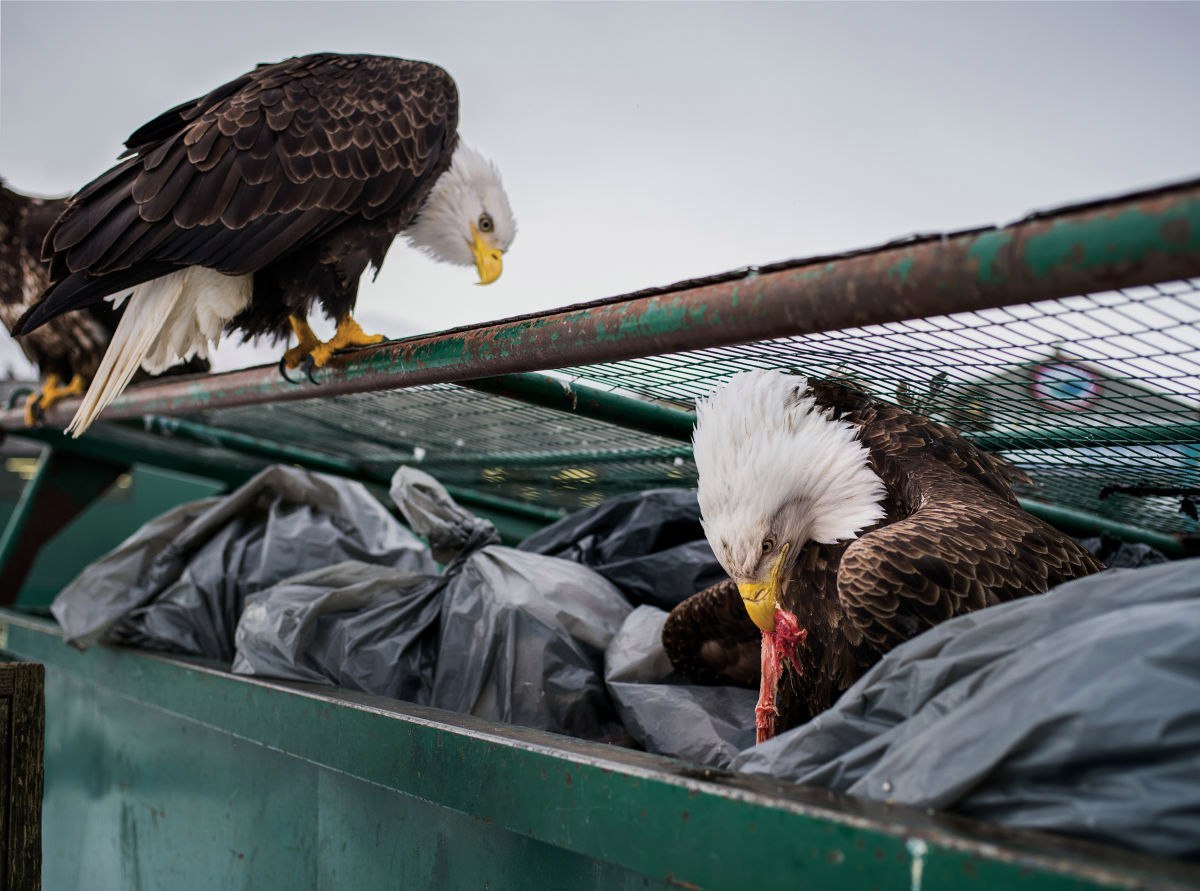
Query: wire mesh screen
(1096,396)
(496,445)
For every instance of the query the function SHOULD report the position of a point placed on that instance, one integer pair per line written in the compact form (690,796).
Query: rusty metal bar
(1136,240)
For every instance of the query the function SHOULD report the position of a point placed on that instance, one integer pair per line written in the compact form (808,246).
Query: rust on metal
(1136,240)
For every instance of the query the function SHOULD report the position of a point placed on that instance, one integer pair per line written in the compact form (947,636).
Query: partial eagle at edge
(847,526)
(269,195)
(68,349)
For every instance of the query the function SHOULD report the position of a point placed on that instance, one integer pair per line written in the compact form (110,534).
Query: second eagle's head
(776,472)
(467,218)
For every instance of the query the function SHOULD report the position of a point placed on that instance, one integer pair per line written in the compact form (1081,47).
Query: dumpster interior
(463,522)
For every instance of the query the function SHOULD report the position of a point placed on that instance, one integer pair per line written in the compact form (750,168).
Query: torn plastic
(649,544)
(661,710)
(1077,711)
(179,582)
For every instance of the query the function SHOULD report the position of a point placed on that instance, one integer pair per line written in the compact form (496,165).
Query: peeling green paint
(1126,237)
(986,251)
(901,270)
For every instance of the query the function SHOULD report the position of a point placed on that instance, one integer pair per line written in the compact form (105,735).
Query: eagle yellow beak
(761,598)
(487,258)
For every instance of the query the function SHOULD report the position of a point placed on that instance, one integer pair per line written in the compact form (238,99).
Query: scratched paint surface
(162,775)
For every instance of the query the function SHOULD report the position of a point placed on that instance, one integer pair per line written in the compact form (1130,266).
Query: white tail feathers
(167,320)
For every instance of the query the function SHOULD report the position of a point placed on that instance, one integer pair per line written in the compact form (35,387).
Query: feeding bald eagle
(68,349)
(848,526)
(271,194)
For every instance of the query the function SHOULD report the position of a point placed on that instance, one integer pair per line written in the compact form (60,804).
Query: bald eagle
(67,350)
(272,194)
(848,526)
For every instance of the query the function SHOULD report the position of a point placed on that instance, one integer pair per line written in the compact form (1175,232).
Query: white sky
(646,143)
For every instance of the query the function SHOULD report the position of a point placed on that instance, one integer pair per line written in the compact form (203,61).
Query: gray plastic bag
(522,636)
(356,625)
(661,710)
(179,582)
(649,544)
(1077,711)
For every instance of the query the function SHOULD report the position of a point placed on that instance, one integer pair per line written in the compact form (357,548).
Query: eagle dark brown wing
(709,637)
(255,170)
(960,548)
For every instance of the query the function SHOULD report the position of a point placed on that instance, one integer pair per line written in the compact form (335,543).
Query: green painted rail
(165,772)
(1123,242)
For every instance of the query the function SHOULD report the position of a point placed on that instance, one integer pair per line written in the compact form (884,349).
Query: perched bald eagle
(848,526)
(67,350)
(272,194)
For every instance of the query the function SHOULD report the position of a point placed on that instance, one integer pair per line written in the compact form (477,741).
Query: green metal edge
(232,458)
(657,816)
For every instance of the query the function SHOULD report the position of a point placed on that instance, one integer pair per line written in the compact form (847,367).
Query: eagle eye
(485,223)
(768,544)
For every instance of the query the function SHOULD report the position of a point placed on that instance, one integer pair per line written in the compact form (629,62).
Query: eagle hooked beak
(761,598)
(487,258)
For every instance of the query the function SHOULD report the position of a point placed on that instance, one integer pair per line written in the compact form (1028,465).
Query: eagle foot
(307,365)
(50,393)
(310,353)
(349,334)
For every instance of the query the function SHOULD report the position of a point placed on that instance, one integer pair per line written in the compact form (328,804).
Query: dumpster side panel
(139,798)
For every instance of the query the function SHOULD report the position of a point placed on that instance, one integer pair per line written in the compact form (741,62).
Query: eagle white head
(776,472)
(466,218)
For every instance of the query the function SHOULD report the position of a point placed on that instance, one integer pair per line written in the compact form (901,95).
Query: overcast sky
(646,143)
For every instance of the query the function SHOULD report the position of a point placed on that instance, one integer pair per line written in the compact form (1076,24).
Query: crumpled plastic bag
(665,713)
(522,636)
(649,544)
(1076,711)
(500,634)
(179,582)
(1117,554)
(356,625)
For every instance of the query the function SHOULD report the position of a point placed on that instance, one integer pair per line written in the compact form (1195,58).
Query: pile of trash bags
(1077,711)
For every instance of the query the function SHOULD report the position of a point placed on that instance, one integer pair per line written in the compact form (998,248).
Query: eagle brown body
(300,172)
(953,540)
(71,345)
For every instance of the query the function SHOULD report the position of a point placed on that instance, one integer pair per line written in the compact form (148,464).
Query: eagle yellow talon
(307,342)
(349,334)
(50,393)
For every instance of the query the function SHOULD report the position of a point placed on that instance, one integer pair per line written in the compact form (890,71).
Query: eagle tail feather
(167,320)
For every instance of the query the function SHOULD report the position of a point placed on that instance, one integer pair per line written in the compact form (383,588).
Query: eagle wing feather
(961,548)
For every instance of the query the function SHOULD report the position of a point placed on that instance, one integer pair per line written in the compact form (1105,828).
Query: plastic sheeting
(179,582)
(1077,711)
(661,710)
(649,544)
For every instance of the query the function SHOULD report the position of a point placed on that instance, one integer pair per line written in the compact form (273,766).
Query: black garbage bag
(665,713)
(522,636)
(355,625)
(649,544)
(179,582)
(1077,711)
(1117,554)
